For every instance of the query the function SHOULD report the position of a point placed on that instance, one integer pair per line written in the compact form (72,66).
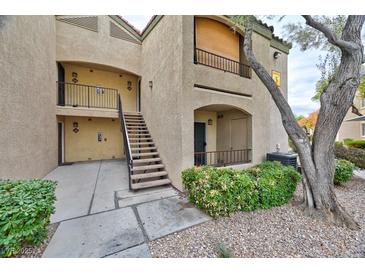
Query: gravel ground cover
(37,251)
(277,232)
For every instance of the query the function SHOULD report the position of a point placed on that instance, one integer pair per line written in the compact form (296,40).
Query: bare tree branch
(332,37)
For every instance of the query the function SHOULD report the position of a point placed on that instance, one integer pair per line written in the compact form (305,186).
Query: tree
(317,158)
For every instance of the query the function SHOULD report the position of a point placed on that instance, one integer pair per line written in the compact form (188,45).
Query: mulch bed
(284,231)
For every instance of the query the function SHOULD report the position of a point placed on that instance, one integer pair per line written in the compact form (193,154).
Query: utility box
(287,159)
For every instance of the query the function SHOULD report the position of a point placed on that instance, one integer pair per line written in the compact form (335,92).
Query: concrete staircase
(147,169)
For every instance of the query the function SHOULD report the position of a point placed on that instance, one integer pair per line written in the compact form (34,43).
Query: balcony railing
(78,95)
(222,158)
(210,59)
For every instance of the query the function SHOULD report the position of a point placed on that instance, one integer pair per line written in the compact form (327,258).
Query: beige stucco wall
(83,145)
(258,105)
(162,105)
(211,130)
(278,135)
(167,60)
(79,44)
(28,135)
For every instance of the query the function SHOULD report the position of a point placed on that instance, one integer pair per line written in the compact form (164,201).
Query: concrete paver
(95,235)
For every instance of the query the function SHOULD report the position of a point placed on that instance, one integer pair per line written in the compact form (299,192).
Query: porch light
(277,54)
(210,122)
(129,85)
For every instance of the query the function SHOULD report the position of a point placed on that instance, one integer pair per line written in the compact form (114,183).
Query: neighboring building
(188,95)
(353,126)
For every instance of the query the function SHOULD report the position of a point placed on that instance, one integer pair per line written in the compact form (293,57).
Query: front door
(199,143)
(61,84)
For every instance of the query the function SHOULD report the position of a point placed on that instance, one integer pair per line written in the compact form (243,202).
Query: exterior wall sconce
(129,85)
(75,127)
(210,122)
(277,54)
(150,84)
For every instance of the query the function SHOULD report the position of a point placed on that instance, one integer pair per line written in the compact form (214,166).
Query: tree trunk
(317,159)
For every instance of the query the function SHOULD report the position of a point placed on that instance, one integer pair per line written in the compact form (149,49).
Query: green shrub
(343,172)
(25,210)
(220,192)
(276,183)
(338,144)
(354,155)
(347,140)
(356,144)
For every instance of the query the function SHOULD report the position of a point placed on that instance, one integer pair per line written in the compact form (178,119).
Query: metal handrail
(222,157)
(213,60)
(127,146)
(81,95)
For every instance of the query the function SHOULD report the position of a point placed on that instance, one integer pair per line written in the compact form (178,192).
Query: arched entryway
(222,135)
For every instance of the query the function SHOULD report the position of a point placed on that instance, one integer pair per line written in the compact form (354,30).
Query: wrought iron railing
(79,95)
(127,146)
(222,158)
(210,59)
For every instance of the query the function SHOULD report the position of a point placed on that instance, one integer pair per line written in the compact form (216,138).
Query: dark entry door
(60,144)
(61,84)
(199,143)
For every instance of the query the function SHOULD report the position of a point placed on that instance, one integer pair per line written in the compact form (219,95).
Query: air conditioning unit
(287,159)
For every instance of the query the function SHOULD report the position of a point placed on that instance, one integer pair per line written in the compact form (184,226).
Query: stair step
(133,116)
(131,112)
(145,161)
(142,143)
(136,124)
(144,154)
(142,148)
(140,139)
(137,130)
(148,167)
(134,119)
(139,134)
(151,184)
(148,175)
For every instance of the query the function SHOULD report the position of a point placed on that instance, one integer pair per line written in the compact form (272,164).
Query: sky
(302,71)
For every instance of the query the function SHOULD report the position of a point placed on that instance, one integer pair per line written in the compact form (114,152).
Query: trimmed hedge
(356,143)
(220,192)
(354,155)
(343,172)
(25,210)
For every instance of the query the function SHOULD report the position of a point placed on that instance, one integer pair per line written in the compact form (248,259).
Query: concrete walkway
(100,217)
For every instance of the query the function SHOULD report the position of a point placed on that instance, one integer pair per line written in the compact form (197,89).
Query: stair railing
(127,147)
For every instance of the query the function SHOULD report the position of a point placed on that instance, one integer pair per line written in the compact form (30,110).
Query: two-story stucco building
(83,88)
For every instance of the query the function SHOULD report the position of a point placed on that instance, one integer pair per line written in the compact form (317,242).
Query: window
(363,103)
(363,129)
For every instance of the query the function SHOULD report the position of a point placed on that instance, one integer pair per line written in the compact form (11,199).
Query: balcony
(212,60)
(86,100)
(222,158)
